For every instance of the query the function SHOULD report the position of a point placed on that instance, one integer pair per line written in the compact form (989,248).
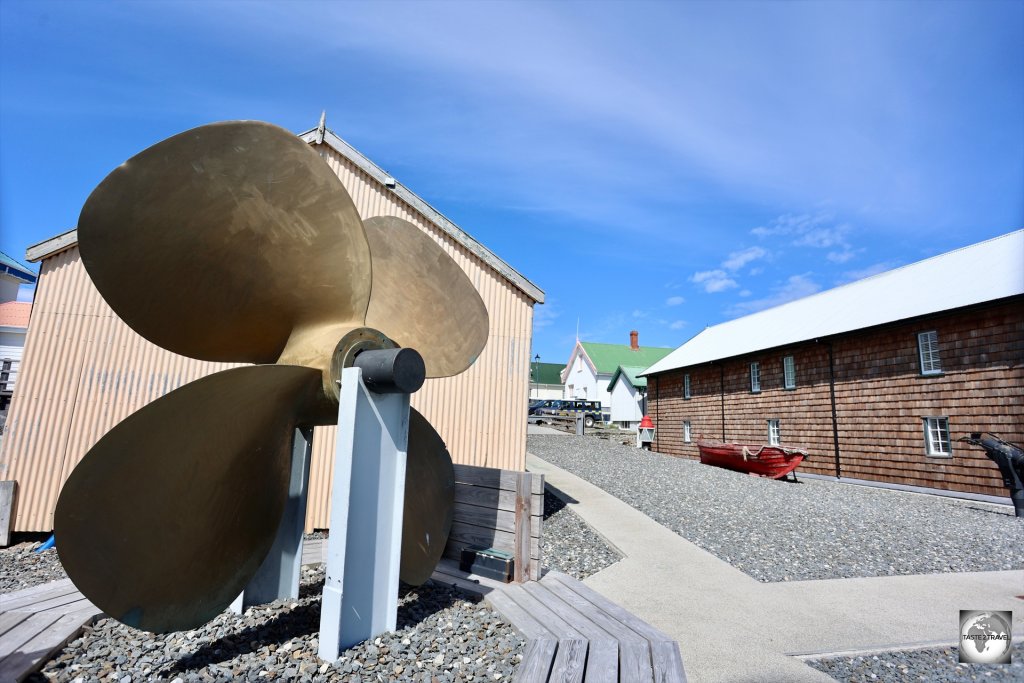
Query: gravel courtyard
(780,531)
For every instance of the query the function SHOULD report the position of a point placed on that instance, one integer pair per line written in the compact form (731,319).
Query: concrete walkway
(731,627)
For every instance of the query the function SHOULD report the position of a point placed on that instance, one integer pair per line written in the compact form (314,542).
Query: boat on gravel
(774,462)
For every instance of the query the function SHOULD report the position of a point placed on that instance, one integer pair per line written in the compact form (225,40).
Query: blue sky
(658,166)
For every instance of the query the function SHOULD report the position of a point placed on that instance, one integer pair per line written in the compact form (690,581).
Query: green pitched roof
(631,375)
(608,357)
(546,373)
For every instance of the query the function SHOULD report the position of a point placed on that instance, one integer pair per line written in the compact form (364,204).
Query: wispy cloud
(738,259)
(795,287)
(713,281)
(677,325)
(674,301)
(544,315)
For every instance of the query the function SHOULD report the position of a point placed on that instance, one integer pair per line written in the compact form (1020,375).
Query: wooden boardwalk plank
(29,596)
(634,650)
(570,660)
(32,654)
(9,620)
(522,620)
(62,604)
(603,652)
(12,641)
(537,659)
(666,660)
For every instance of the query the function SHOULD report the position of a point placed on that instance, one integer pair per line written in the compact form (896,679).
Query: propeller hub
(351,345)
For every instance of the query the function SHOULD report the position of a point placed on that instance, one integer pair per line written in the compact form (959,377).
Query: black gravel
(921,665)
(571,546)
(444,634)
(781,531)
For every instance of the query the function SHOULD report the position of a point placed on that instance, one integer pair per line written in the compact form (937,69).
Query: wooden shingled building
(877,378)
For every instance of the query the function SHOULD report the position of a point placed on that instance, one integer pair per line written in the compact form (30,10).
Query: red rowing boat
(766,461)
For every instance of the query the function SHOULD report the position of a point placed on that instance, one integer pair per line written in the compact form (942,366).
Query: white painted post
(360,597)
(278,577)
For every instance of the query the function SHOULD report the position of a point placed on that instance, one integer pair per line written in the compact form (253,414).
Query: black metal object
(392,371)
(489,562)
(1010,460)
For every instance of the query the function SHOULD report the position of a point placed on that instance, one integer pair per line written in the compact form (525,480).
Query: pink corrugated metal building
(84,370)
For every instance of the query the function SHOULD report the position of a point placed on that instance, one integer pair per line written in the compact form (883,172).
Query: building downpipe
(835,418)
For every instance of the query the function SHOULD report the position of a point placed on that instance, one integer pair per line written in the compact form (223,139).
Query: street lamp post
(533,373)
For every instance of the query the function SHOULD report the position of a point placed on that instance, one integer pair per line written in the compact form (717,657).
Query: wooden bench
(576,634)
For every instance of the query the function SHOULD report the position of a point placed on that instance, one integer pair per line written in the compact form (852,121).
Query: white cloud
(544,315)
(818,231)
(674,300)
(746,292)
(637,313)
(738,259)
(713,280)
(677,325)
(795,287)
(842,256)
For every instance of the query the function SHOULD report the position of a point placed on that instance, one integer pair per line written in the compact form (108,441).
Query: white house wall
(625,402)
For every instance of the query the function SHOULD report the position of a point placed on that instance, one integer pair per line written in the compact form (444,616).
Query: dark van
(591,410)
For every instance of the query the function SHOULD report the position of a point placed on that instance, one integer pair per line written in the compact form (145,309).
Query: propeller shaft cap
(392,371)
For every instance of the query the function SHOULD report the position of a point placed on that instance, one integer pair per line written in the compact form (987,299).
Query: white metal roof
(982,272)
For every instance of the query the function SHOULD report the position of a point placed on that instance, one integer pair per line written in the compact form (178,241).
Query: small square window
(936,436)
(928,351)
(774,433)
(686,431)
(755,377)
(789,372)
(686,385)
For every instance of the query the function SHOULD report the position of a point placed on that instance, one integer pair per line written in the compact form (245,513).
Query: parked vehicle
(591,410)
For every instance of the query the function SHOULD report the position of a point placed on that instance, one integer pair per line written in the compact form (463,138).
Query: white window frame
(928,352)
(936,435)
(774,433)
(687,432)
(686,385)
(755,378)
(789,372)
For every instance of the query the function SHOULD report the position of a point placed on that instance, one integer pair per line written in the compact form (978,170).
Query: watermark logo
(985,637)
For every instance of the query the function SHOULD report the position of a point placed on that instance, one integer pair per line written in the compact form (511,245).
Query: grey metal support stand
(278,576)
(360,598)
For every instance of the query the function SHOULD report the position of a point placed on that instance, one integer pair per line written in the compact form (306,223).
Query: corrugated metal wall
(84,370)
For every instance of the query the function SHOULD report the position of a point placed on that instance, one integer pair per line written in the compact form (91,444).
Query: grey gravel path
(779,531)
(570,545)
(444,634)
(939,665)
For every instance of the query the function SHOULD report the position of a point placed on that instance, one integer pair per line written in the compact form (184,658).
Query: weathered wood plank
(634,650)
(489,518)
(537,661)
(471,535)
(522,529)
(36,651)
(571,657)
(12,641)
(666,661)
(603,653)
(492,477)
(63,604)
(9,620)
(521,619)
(497,499)
(28,596)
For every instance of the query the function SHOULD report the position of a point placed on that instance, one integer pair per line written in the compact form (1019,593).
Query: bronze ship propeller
(236,242)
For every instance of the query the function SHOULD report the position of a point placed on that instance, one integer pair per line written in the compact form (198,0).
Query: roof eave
(321,136)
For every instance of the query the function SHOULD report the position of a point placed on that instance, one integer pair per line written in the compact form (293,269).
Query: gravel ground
(779,531)
(921,665)
(20,567)
(570,545)
(444,634)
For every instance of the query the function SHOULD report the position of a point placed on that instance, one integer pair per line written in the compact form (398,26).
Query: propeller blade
(429,501)
(171,513)
(220,241)
(422,299)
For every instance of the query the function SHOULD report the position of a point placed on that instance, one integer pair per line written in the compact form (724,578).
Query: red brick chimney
(634,340)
